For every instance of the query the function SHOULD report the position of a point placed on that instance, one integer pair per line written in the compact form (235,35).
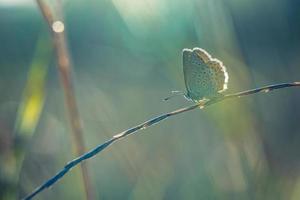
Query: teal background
(126,56)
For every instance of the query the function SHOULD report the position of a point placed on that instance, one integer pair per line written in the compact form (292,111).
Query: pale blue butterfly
(205,77)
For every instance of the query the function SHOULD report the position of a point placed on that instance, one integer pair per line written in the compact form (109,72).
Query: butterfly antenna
(174,94)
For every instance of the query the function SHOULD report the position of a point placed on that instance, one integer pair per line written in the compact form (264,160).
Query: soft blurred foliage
(127,58)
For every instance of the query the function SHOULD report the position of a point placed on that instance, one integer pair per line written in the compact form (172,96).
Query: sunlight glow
(140,14)
(24,3)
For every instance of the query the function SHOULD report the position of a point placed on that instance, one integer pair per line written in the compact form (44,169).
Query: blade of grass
(65,69)
(147,124)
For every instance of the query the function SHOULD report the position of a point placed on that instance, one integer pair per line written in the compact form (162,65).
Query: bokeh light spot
(58,27)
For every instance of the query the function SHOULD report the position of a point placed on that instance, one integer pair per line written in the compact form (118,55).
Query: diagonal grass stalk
(148,123)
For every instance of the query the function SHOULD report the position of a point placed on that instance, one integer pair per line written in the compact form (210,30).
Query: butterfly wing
(219,75)
(194,70)
(204,77)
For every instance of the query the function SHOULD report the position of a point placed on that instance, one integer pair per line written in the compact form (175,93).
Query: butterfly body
(205,77)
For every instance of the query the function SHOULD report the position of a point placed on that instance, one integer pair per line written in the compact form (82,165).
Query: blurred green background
(126,56)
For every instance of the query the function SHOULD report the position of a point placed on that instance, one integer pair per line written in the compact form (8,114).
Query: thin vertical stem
(65,68)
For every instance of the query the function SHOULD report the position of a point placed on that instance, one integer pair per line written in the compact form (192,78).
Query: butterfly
(205,77)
